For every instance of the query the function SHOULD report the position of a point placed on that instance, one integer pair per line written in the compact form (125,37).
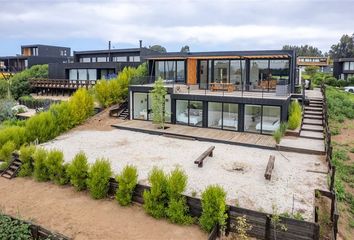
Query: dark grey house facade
(99,64)
(33,55)
(245,91)
(343,68)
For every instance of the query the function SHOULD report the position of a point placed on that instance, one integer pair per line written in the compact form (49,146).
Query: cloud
(252,24)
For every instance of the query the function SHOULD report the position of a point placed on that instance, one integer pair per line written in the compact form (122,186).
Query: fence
(261,222)
(332,169)
(39,232)
(46,86)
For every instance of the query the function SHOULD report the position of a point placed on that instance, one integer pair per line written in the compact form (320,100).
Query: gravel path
(248,188)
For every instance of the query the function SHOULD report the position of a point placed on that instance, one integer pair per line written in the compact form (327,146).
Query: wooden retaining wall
(261,222)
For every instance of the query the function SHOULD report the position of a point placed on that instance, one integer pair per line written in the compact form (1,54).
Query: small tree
(78,171)
(159,93)
(98,178)
(127,181)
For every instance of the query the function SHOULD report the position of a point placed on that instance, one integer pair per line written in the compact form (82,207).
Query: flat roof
(125,50)
(344,59)
(37,45)
(226,54)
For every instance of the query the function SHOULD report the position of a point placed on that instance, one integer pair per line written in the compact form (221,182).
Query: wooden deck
(201,134)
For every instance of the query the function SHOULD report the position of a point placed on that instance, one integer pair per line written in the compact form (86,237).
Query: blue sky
(202,24)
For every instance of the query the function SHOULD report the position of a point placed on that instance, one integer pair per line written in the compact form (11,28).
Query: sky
(203,25)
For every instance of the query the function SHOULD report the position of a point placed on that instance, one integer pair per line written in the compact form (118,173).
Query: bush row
(31,102)
(109,92)
(164,199)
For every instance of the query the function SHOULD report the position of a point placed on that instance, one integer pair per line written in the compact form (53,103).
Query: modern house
(99,64)
(33,55)
(343,68)
(246,91)
(323,63)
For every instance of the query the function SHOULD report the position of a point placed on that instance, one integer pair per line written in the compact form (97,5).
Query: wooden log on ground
(270,166)
(200,159)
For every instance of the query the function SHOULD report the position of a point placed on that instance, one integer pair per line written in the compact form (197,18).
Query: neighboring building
(239,91)
(343,68)
(99,64)
(34,55)
(323,63)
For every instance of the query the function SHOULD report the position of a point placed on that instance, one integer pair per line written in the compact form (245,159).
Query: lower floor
(225,113)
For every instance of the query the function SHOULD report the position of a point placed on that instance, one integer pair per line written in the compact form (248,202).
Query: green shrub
(41,127)
(294,115)
(26,154)
(55,166)
(40,170)
(6,112)
(13,229)
(213,208)
(177,210)
(81,105)
(277,135)
(3,88)
(98,178)
(6,154)
(62,115)
(78,171)
(156,200)
(102,92)
(340,154)
(16,134)
(127,181)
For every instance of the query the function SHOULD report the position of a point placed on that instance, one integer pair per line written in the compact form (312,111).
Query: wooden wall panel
(27,52)
(191,71)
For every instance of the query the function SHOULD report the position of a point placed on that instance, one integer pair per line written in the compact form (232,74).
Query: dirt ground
(100,122)
(76,215)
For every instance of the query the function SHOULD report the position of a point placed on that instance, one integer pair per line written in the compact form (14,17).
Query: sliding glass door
(223,115)
(189,112)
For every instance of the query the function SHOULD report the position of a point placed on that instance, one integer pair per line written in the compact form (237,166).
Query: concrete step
(313,128)
(302,145)
(311,135)
(310,116)
(316,109)
(312,121)
(313,113)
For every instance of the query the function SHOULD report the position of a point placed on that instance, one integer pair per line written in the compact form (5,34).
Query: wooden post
(267,228)
(333,175)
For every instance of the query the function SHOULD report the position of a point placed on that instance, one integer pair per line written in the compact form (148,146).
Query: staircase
(12,170)
(121,111)
(312,125)
(124,114)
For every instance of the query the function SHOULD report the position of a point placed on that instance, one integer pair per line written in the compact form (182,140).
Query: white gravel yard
(248,187)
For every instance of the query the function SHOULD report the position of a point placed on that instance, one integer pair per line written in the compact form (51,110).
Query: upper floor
(45,51)
(313,61)
(231,71)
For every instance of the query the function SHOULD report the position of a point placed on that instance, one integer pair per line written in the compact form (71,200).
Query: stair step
(5,175)
(312,128)
(313,113)
(310,121)
(310,116)
(311,135)
(313,109)
(14,167)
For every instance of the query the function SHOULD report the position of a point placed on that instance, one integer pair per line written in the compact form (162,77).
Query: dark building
(343,68)
(33,55)
(236,90)
(99,64)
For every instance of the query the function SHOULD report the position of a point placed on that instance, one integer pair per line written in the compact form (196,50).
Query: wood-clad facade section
(192,71)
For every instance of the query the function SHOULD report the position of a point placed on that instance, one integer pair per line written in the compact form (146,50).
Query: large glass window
(346,66)
(168,107)
(73,74)
(230,116)
(85,59)
(270,119)
(236,73)
(278,73)
(82,74)
(101,59)
(253,118)
(120,59)
(160,69)
(258,74)
(221,71)
(134,59)
(214,115)
(140,110)
(92,74)
(170,68)
(351,67)
(182,111)
(180,71)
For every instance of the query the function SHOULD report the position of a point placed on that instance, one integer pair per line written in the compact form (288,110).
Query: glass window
(182,111)
(196,113)
(160,69)
(346,66)
(258,74)
(85,59)
(270,119)
(243,67)
(351,67)
(140,106)
(230,116)
(82,74)
(168,107)
(221,71)
(236,73)
(278,73)
(73,74)
(101,59)
(134,58)
(93,59)
(214,115)
(170,70)
(253,118)
(120,59)
(92,74)
(180,71)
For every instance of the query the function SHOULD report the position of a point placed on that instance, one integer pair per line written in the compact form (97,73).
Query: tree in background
(304,50)
(19,83)
(343,49)
(158,103)
(185,49)
(311,71)
(158,48)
